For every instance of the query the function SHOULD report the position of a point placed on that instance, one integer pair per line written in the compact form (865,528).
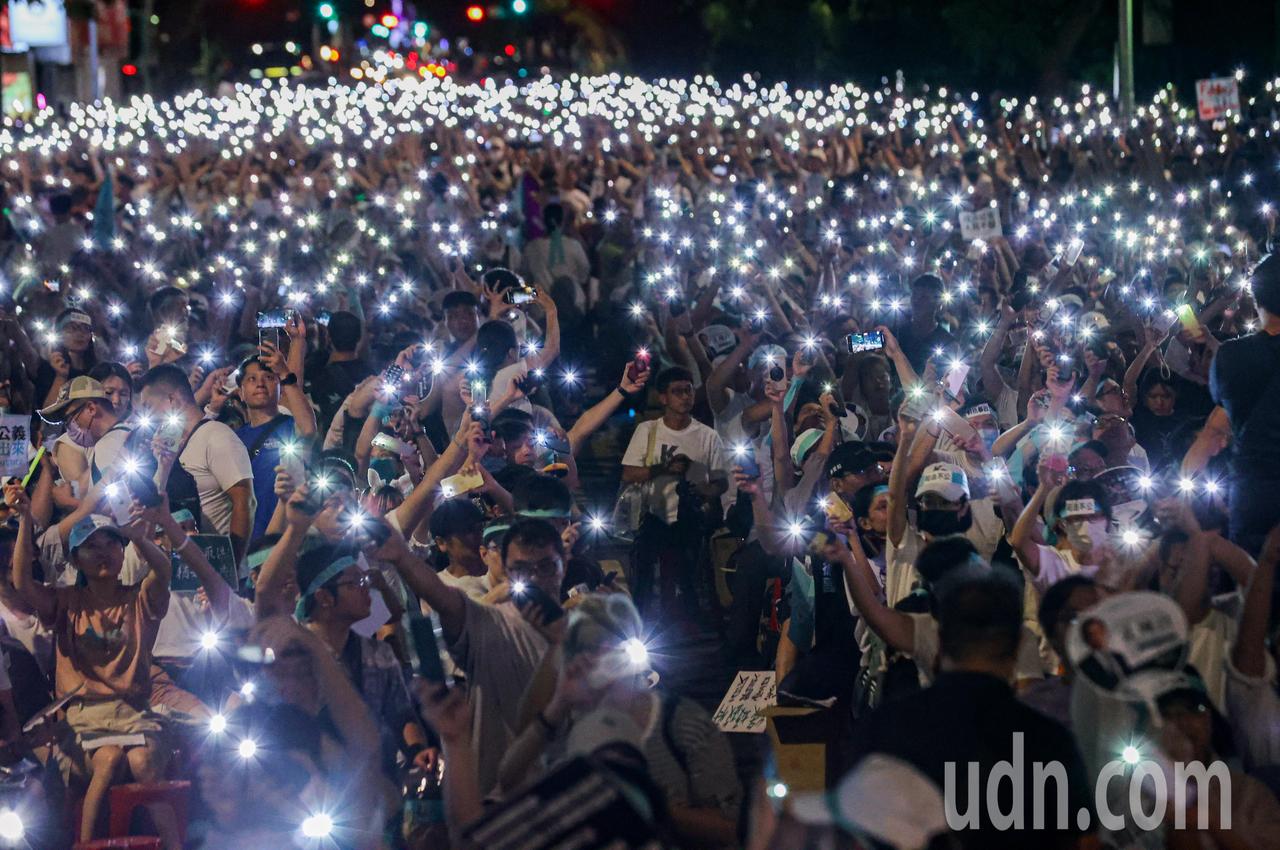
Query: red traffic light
(129,70)
(475,14)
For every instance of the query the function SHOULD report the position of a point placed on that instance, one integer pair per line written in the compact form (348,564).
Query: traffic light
(327,12)
(519,7)
(475,14)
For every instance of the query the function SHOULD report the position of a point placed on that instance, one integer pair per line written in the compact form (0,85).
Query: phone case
(456,485)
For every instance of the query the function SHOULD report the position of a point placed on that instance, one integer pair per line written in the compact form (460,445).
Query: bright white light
(778,790)
(1131,754)
(1186,485)
(518,587)
(1131,537)
(209,640)
(596,523)
(1145,482)
(317,826)
(637,653)
(217,724)
(248,747)
(11,826)
(247,689)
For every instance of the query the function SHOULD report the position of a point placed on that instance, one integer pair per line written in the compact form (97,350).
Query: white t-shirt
(900,566)
(34,636)
(697,442)
(1057,564)
(104,452)
(1252,708)
(217,459)
(503,380)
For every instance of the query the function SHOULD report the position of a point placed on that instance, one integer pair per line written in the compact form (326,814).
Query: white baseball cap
(945,479)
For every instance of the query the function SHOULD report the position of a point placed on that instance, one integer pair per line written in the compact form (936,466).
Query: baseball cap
(89,526)
(945,479)
(849,459)
(884,798)
(718,339)
(766,353)
(600,728)
(804,443)
(80,388)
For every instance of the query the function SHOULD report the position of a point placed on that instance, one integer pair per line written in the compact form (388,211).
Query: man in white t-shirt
(84,403)
(686,461)
(212,477)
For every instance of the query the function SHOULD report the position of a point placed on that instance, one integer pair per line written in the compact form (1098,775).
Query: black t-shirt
(918,348)
(1153,433)
(330,385)
(1243,381)
(971,718)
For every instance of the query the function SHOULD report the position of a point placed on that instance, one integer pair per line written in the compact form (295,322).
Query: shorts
(92,719)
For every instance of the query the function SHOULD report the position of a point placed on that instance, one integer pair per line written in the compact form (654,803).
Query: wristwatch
(289,380)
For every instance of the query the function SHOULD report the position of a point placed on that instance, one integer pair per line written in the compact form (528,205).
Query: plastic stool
(123,800)
(135,842)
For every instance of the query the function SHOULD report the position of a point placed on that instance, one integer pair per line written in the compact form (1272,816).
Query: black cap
(849,459)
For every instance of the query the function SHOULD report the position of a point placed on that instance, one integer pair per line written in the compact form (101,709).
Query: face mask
(1083,536)
(940,523)
(79,436)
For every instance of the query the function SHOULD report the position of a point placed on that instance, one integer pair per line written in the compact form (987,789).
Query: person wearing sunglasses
(335,597)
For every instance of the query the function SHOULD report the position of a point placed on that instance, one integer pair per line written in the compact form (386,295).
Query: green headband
(323,578)
(546,513)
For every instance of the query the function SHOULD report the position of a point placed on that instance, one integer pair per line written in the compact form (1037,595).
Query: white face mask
(1085,536)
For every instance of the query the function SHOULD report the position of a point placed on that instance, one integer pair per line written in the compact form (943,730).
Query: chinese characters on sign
(15,446)
(751,691)
(1216,97)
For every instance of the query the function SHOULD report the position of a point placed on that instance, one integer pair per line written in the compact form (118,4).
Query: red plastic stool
(135,842)
(123,800)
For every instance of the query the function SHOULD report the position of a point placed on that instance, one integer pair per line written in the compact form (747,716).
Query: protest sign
(1216,97)
(15,445)
(217,548)
(980,224)
(751,691)
(581,804)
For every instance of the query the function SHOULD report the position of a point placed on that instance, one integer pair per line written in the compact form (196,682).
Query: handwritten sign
(751,691)
(15,446)
(217,548)
(980,224)
(1216,97)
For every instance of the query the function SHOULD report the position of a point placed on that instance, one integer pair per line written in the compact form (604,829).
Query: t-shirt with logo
(696,441)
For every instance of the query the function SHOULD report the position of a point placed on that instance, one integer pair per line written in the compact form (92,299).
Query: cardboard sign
(217,548)
(1216,97)
(580,804)
(15,445)
(751,691)
(980,224)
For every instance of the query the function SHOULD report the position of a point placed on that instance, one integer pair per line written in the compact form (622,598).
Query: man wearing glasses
(336,596)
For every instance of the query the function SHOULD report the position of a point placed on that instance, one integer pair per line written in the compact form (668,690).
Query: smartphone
(120,501)
(144,490)
(269,325)
(170,433)
(551,610)
(858,343)
(516,296)
(479,393)
(1187,316)
(1073,251)
(529,384)
(639,365)
(1161,322)
(426,651)
(955,425)
(819,541)
(322,318)
(391,377)
(745,458)
(318,487)
(956,376)
(836,510)
(456,485)
(370,531)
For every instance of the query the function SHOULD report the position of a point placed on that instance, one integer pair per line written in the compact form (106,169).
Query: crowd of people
(354,432)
